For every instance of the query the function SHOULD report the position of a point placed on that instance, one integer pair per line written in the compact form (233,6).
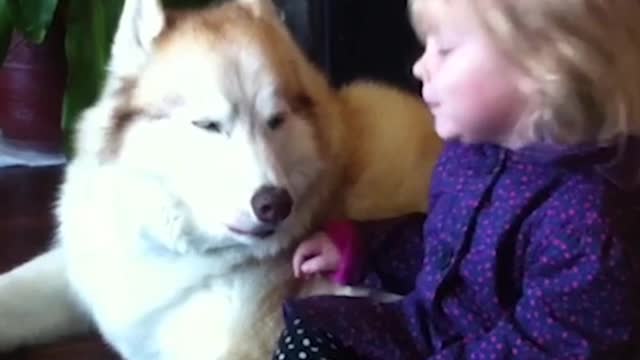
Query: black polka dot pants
(300,342)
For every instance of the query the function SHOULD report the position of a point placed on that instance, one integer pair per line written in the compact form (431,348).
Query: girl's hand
(318,254)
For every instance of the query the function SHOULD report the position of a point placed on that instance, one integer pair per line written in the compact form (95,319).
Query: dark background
(356,38)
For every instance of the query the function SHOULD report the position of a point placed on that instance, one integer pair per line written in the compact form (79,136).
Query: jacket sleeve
(576,304)
(384,254)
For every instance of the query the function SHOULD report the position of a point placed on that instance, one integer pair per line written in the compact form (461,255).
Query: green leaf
(6,29)
(33,17)
(91,25)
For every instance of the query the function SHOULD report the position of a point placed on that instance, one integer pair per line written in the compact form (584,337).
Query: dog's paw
(178,237)
(161,219)
(171,229)
(164,222)
(17,314)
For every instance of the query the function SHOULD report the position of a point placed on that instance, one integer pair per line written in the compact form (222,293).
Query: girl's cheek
(456,85)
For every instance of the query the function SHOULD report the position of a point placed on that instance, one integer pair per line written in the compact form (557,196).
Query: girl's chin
(445,129)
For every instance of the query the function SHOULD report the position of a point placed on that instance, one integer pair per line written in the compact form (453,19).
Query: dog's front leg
(36,304)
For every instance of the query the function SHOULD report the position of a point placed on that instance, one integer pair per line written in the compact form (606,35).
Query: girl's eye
(444,51)
(208,125)
(439,48)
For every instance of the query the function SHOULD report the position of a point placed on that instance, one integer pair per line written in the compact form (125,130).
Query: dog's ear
(260,7)
(140,22)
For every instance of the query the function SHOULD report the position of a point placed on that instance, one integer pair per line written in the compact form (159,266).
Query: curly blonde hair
(582,57)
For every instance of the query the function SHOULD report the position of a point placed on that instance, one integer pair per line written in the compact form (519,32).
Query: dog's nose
(271,204)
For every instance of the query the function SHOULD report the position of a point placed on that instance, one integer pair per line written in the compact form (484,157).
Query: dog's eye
(275,121)
(209,125)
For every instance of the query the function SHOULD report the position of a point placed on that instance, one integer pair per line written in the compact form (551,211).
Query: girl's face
(471,88)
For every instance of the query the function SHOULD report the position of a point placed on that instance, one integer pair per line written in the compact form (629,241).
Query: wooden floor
(26,227)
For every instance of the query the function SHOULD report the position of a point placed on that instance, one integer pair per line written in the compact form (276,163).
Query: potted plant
(55,54)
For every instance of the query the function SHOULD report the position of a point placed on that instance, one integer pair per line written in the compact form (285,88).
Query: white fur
(140,22)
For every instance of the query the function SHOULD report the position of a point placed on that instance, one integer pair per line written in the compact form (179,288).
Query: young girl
(527,251)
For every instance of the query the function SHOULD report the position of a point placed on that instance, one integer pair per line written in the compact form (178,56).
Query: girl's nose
(424,67)
(420,69)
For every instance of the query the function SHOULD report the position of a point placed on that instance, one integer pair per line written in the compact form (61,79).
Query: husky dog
(213,148)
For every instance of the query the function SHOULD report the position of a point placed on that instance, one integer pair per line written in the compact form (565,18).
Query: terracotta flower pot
(32,83)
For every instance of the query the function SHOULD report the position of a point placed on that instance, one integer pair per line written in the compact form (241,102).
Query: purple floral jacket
(524,255)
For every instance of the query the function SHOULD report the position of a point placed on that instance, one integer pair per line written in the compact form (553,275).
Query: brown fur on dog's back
(391,148)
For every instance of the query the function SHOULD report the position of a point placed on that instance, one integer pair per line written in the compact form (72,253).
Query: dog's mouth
(260,232)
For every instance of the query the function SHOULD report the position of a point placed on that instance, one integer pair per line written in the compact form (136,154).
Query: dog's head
(220,106)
